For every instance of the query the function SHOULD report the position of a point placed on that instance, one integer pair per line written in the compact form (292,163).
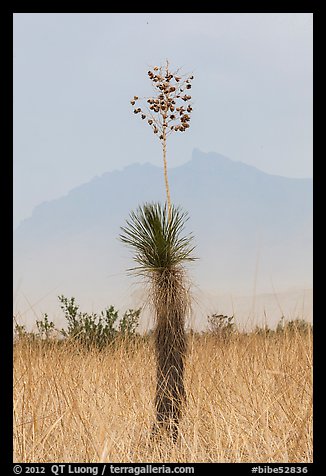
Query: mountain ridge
(197,158)
(238,214)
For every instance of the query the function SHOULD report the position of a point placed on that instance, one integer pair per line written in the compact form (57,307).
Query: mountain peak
(198,155)
(210,161)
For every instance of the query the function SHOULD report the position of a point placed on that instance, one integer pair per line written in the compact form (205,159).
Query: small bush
(20,331)
(129,322)
(295,325)
(220,325)
(45,328)
(90,330)
(97,329)
(284,326)
(264,331)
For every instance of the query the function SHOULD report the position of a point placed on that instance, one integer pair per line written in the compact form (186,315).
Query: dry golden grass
(249,400)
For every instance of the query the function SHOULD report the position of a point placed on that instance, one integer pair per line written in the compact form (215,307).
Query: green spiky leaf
(158,242)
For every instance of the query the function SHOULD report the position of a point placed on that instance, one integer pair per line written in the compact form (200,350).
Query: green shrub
(220,325)
(20,331)
(264,331)
(284,326)
(295,325)
(45,328)
(90,330)
(129,322)
(97,329)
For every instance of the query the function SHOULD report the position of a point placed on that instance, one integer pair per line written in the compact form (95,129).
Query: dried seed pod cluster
(163,111)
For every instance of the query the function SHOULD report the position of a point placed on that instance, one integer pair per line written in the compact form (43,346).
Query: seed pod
(143,116)
(132,103)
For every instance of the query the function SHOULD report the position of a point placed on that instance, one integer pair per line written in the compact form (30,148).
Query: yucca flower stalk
(168,110)
(161,250)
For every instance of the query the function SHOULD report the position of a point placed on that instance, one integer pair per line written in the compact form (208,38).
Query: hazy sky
(74,75)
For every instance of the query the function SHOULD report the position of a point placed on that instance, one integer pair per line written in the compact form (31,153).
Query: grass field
(249,399)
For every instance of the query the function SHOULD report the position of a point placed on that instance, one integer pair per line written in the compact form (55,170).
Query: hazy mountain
(253,232)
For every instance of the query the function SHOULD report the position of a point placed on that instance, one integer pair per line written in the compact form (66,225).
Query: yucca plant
(161,249)
(155,233)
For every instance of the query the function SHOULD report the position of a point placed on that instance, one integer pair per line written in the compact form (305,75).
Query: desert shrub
(45,328)
(22,334)
(129,323)
(264,330)
(97,329)
(19,331)
(284,326)
(220,325)
(294,325)
(89,330)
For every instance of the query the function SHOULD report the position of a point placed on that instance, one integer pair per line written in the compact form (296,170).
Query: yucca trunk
(171,306)
(161,251)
